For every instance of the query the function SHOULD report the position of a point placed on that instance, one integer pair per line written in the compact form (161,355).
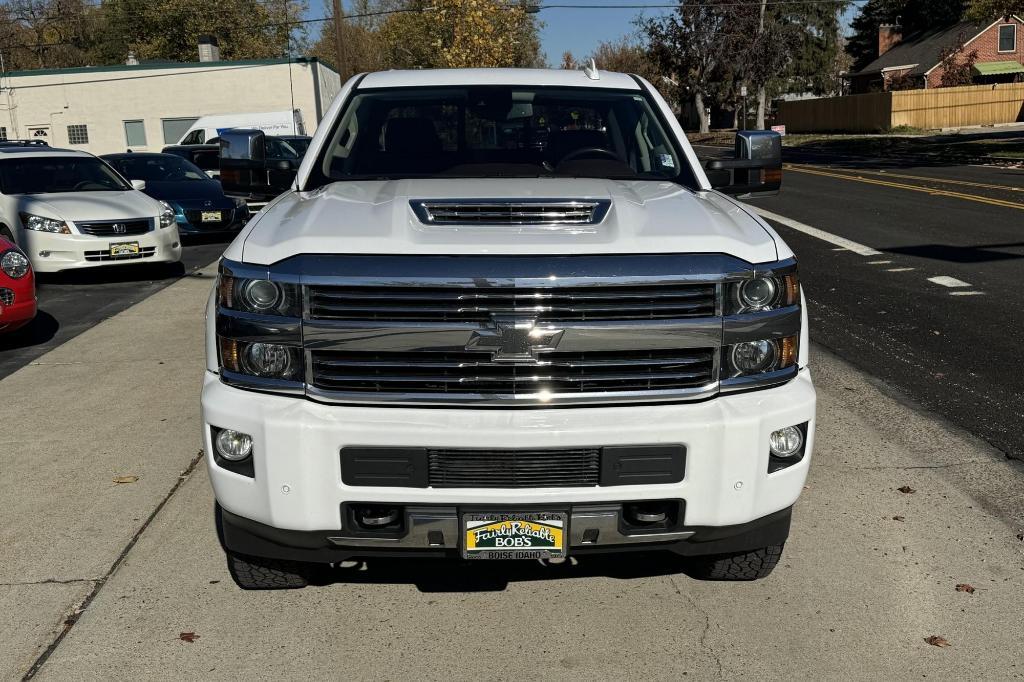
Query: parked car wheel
(251,573)
(751,565)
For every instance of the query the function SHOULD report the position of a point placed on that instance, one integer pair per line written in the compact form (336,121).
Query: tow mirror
(756,170)
(243,161)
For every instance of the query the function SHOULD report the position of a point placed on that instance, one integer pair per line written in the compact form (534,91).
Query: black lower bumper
(244,536)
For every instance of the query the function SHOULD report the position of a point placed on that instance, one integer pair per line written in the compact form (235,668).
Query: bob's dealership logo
(514,534)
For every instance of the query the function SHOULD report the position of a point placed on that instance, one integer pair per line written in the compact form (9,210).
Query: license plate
(210,216)
(124,249)
(512,535)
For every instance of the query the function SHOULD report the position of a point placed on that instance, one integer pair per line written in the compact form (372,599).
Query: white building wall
(104,98)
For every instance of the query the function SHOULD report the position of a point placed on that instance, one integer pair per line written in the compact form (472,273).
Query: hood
(189,192)
(376,218)
(88,206)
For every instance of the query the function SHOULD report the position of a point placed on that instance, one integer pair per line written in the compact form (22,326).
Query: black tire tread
(752,565)
(251,573)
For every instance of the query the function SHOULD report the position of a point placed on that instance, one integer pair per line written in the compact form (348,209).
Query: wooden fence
(927,109)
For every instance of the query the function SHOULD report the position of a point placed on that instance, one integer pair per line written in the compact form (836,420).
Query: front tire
(252,573)
(751,565)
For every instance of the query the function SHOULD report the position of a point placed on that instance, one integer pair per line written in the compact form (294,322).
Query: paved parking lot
(100,579)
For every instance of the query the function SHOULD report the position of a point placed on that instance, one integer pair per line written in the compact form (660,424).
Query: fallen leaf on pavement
(126,479)
(936,640)
(964,587)
(188,637)
(898,518)
(906,489)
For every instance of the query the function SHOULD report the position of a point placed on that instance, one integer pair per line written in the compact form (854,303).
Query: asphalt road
(953,349)
(69,303)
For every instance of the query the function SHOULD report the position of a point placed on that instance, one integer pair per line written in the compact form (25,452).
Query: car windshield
(49,174)
(163,168)
(501,132)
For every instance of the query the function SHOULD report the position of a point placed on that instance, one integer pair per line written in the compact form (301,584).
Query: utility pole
(761,87)
(339,39)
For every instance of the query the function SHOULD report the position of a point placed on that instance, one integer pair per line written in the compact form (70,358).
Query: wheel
(752,565)
(252,573)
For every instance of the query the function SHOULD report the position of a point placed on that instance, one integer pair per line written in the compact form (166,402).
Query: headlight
(757,357)
(764,292)
(265,360)
(166,215)
(14,264)
(259,296)
(43,224)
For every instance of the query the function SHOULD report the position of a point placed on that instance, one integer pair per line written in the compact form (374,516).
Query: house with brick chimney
(914,61)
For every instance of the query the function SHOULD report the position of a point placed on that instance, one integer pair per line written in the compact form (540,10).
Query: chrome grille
(440,304)
(514,468)
(104,255)
(106,228)
(459,374)
(7,296)
(521,212)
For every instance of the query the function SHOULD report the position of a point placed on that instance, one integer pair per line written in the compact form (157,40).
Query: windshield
(50,174)
(164,168)
(501,132)
(280,148)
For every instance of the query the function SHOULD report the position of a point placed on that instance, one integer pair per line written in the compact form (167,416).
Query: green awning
(997,68)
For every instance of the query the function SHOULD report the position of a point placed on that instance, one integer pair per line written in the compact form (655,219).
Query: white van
(270,122)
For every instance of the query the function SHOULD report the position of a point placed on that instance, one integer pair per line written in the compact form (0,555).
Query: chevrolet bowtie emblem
(515,339)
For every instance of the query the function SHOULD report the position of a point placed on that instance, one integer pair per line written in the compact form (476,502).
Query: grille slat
(7,296)
(104,255)
(439,304)
(514,468)
(106,228)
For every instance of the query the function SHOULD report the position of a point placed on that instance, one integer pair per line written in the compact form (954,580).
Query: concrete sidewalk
(868,574)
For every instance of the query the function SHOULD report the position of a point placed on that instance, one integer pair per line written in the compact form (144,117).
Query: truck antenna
(591,71)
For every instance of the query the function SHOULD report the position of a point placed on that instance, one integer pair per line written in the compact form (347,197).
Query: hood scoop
(511,212)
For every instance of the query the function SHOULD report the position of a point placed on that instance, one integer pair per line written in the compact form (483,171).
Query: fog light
(787,442)
(233,446)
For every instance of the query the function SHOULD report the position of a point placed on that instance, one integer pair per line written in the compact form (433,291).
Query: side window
(195,137)
(78,134)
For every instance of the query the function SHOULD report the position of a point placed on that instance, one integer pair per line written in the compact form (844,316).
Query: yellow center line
(965,183)
(913,188)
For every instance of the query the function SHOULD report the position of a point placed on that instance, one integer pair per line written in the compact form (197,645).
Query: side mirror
(756,170)
(138,184)
(283,165)
(242,161)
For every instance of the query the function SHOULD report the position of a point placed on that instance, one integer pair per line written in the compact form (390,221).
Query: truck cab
(506,314)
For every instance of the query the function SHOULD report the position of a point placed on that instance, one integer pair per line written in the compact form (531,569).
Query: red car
(17,288)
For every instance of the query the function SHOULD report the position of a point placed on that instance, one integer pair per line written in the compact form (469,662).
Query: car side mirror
(138,184)
(242,161)
(756,170)
(283,165)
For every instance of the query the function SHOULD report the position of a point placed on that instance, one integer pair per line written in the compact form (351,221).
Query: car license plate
(210,216)
(512,535)
(124,249)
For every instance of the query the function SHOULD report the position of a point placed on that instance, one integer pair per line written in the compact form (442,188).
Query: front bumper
(56,252)
(297,483)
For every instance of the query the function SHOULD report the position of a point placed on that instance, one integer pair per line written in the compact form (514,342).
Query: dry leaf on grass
(906,489)
(937,640)
(131,478)
(964,587)
(188,637)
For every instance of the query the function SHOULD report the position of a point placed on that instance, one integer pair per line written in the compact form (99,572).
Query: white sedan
(68,209)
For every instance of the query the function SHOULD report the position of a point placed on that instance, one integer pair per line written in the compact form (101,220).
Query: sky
(577,30)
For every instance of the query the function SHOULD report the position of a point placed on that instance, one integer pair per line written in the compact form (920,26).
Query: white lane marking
(967,293)
(947,281)
(879,262)
(847,244)
(899,269)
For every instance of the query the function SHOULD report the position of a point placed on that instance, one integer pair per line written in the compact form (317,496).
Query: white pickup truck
(506,314)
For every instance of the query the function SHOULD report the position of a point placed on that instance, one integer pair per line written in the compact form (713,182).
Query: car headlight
(750,358)
(14,264)
(261,296)
(166,215)
(764,292)
(264,360)
(43,224)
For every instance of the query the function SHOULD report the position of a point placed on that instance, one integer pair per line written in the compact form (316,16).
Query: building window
(174,128)
(1008,38)
(135,133)
(78,134)
(3,134)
